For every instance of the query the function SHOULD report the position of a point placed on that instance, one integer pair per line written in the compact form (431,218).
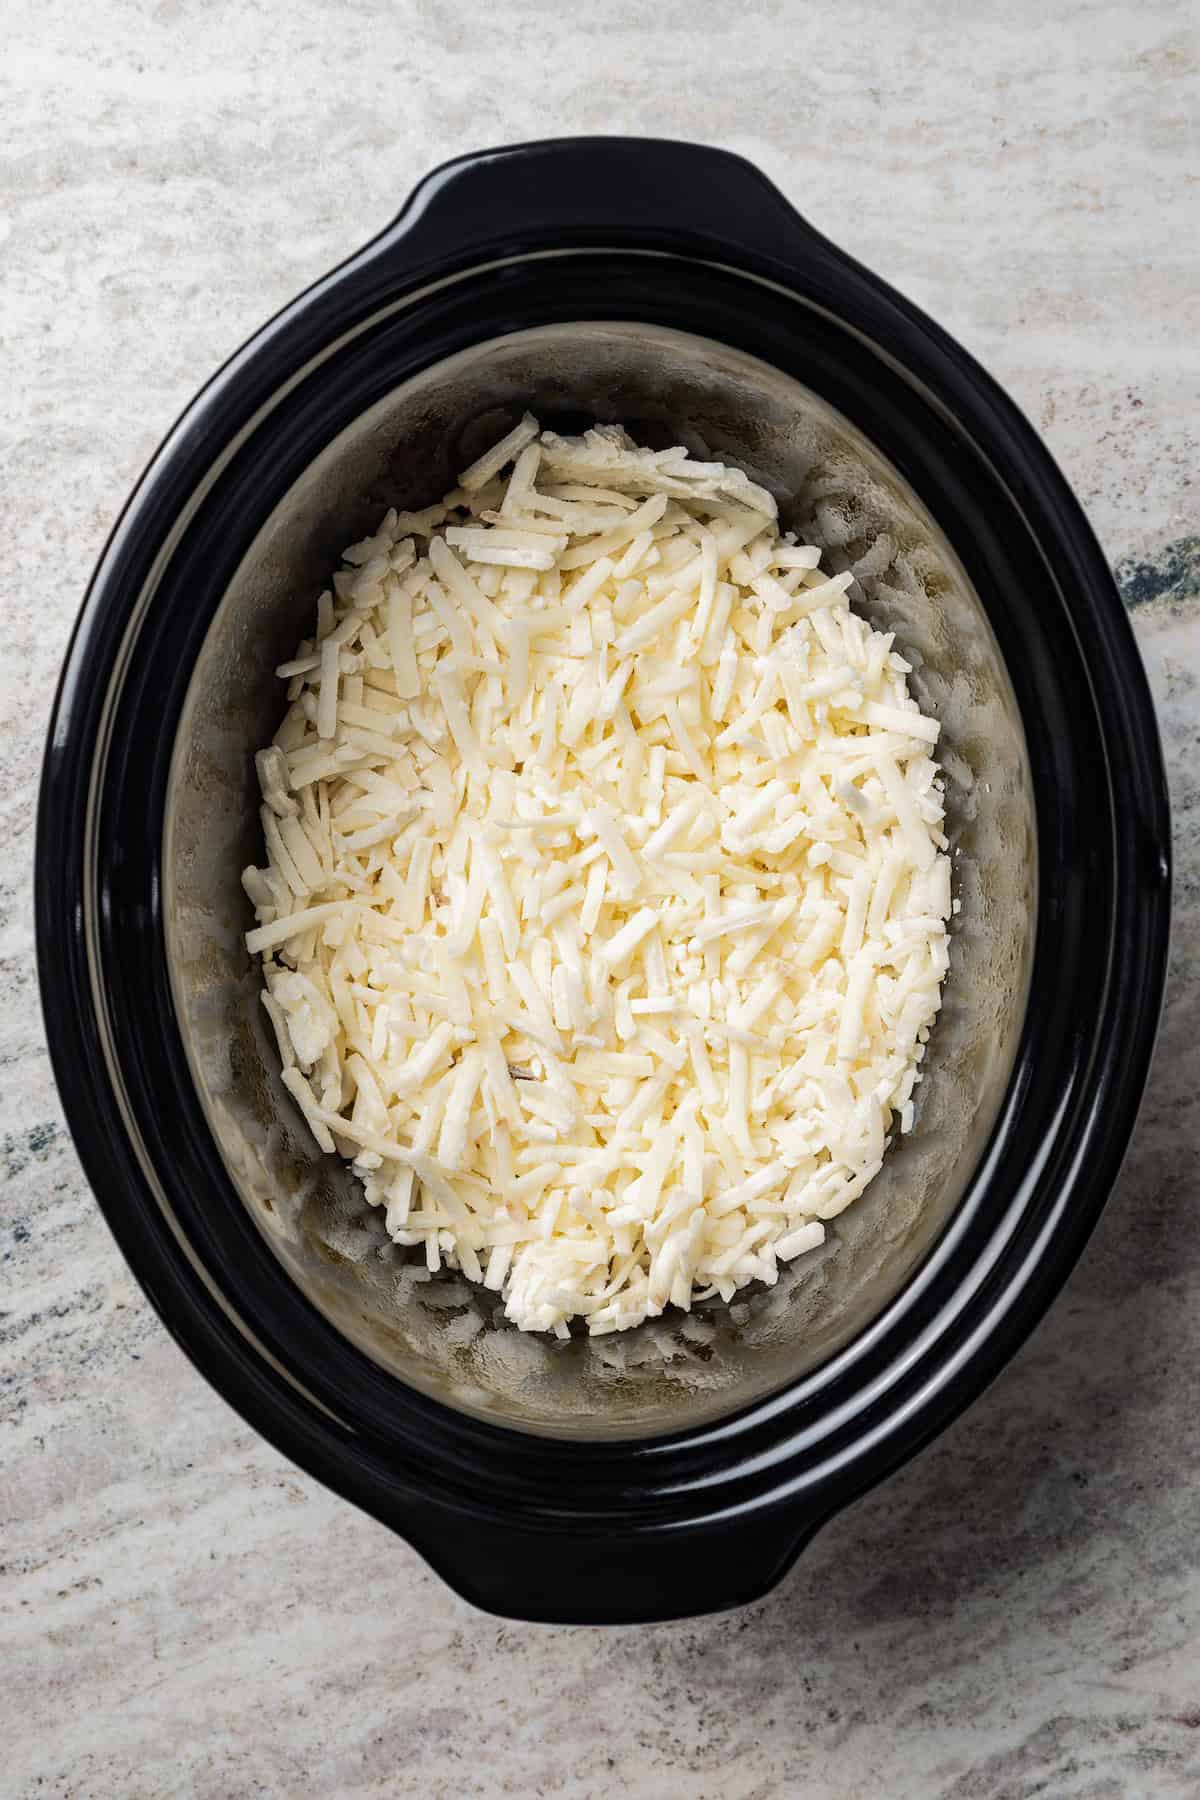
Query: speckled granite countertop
(181,1613)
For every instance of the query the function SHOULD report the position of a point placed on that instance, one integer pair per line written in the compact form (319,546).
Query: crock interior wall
(443,1336)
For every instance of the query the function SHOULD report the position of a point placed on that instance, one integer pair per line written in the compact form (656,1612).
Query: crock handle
(614,1578)
(596,191)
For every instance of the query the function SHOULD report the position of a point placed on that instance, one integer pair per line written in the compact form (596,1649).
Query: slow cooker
(678,1468)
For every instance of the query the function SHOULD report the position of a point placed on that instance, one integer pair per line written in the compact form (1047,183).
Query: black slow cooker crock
(672,287)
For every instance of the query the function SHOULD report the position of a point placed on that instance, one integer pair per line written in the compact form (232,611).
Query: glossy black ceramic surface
(697,240)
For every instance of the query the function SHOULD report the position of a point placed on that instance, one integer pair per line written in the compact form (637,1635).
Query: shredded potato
(603,915)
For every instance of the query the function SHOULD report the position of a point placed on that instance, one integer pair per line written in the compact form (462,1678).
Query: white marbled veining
(181,1613)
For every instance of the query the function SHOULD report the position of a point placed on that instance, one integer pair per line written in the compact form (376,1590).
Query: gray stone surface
(181,1613)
